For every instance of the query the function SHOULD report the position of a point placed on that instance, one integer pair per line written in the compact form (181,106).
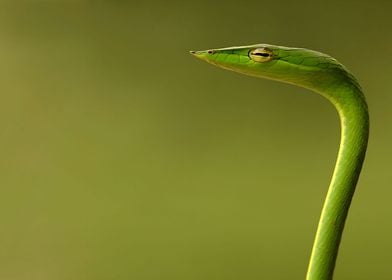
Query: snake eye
(261,55)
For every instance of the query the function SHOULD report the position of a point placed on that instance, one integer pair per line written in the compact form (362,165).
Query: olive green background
(123,157)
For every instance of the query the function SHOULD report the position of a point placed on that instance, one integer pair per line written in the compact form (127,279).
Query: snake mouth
(206,55)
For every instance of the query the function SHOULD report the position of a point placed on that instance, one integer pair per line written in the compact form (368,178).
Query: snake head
(291,65)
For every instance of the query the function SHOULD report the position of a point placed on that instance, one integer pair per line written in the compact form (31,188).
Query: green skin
(326,76)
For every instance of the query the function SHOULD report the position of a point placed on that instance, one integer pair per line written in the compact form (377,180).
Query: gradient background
(123,157)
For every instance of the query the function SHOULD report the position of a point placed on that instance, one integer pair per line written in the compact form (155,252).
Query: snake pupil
(262,54)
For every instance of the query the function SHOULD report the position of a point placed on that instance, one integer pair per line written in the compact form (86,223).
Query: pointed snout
(203,55)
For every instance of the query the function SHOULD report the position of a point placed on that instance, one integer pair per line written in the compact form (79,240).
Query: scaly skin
(326,76)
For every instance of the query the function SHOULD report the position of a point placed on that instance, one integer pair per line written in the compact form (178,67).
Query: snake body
(324,75)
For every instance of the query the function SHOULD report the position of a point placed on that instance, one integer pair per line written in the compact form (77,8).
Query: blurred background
(123,157)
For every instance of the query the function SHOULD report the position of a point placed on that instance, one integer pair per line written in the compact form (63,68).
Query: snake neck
(353,112)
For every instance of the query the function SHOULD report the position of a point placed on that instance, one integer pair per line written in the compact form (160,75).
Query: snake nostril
(210,51)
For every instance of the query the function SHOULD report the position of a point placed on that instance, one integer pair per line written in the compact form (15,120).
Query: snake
(322,74)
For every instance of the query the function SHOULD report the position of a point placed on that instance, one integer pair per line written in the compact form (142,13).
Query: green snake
(325,75)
